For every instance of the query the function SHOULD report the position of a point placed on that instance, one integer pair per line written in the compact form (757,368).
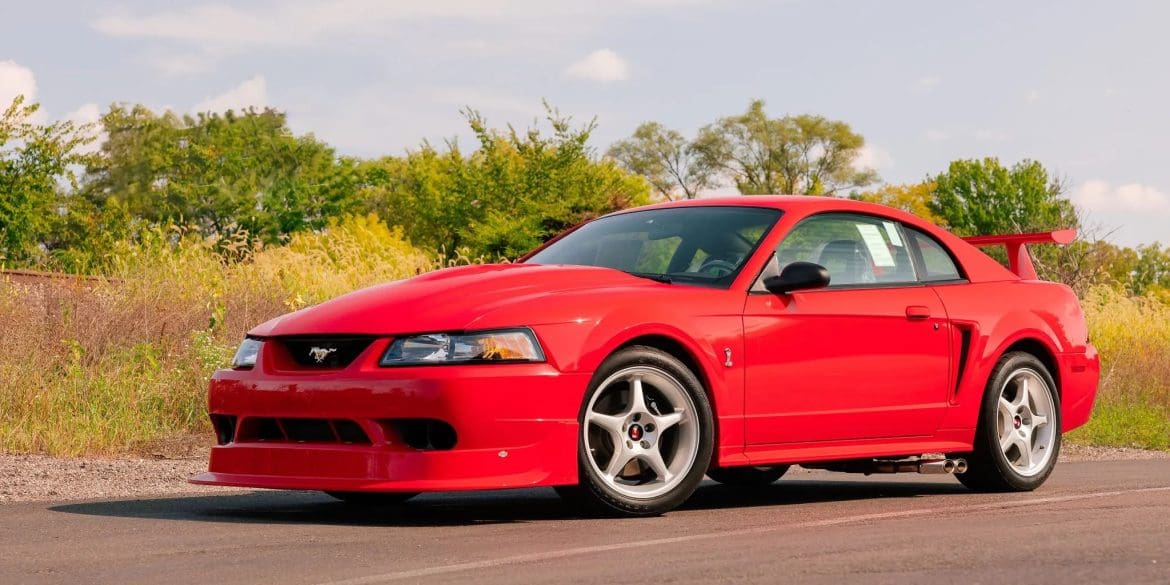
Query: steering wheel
(716,267)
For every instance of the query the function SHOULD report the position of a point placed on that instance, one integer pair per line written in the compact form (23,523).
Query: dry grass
(118,365)
(1133,404)
(110,366)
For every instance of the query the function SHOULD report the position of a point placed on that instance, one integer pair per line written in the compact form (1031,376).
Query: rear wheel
(373,499)
(747,476)
(646,435)
(1018,439)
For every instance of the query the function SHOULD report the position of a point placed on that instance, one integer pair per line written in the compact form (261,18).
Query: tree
(913,198)
(35,162)
(802,154)
(665,159)
(503,199)
(1151,271)
(975,197)
(221,173)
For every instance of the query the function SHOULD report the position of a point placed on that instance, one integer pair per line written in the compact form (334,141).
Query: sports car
(629,357)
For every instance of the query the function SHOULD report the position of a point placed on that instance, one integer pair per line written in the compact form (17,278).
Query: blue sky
(1082,87)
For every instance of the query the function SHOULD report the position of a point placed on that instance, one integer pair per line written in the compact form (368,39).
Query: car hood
(452,299)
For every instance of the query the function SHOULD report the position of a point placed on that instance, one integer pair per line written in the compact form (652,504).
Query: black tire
(592,490)
(988,468)
(747,476)
(373,499)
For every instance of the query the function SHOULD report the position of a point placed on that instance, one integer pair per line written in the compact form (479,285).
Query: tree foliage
(914,198)
(506,197)
(240,177)
(222,173)
(35,161)
(975,197)
(665,158)
(802,154)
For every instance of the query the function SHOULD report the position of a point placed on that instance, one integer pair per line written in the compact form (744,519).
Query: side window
(856,250)
(936,261)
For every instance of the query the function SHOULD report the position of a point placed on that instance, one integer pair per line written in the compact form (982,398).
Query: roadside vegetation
(117,363)
(178,233)
(1133,336)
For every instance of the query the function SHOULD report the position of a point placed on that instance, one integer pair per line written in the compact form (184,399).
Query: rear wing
(1019,261)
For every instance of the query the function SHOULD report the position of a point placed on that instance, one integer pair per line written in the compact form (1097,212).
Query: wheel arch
(676,349)
(680,351)
(1034,346)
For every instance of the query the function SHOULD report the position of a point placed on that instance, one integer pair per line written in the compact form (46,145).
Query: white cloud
(1032,96)
(925,84)
(873,157)
(86,114)
(192,37)
(16,79)
(1133,197)
(602,65)
(298,22)
(86,118)
(251,93)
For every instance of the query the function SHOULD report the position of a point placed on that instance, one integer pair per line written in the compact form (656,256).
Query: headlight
(246,355)
(502,346)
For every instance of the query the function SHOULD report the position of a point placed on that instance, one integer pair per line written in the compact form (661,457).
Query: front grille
(257,429)
(325,352)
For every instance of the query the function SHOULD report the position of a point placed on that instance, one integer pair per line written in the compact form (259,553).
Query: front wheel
(646,434)
(1018,438)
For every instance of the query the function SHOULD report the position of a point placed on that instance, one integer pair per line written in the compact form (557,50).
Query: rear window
(937,263)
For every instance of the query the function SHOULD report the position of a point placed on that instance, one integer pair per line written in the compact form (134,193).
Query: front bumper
(516,426)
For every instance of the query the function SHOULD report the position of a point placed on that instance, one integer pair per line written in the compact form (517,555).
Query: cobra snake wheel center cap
(1017,421)
(636,432)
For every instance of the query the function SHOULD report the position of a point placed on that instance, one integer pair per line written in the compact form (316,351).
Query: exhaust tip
(942,466)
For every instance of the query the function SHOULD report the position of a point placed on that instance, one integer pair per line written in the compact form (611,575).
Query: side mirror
(798,276)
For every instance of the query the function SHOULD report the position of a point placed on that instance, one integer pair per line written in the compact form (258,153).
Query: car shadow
(475,508)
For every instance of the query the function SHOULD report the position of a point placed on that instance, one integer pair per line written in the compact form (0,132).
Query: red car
(625,359)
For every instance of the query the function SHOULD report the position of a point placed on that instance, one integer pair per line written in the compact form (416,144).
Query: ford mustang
(632,355)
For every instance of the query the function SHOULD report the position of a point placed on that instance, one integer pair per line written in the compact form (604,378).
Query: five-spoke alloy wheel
(646,434)
(1018,439)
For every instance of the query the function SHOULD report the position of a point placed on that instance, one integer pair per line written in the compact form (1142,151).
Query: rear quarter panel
(1002,314)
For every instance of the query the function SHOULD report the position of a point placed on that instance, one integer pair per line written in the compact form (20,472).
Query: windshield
(700,245)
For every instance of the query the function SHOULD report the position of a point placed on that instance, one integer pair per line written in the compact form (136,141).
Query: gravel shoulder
(30,478)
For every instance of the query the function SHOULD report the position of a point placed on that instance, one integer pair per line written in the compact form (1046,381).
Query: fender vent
(964,351)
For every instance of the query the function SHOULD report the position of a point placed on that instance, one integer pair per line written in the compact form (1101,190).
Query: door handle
(917,312)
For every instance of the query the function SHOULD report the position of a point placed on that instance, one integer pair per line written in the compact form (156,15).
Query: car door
(866,357)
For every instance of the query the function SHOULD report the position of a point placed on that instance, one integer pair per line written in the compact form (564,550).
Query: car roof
(800,204)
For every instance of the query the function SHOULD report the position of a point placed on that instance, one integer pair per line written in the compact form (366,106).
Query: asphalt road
(1091,523)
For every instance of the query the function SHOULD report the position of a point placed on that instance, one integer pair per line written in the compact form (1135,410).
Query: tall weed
(113,364)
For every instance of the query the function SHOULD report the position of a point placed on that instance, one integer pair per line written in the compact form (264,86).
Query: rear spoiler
(1019,260)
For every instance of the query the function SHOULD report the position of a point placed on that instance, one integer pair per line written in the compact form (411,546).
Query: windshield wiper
(652,276)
